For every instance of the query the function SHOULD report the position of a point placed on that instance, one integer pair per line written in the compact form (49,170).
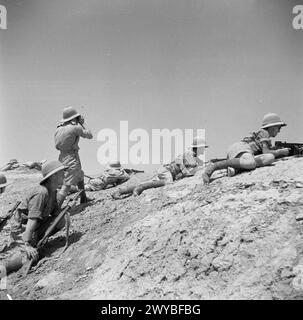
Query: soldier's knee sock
(224,164)
(264,160)
(123,190)
(247,161)
(148,185)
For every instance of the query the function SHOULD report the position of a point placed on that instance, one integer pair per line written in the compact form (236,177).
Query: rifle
(133,171)
(296,149)
(65,212)
(8,215)
(217,160)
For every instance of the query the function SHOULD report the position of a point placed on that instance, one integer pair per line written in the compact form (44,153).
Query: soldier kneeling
(38,210)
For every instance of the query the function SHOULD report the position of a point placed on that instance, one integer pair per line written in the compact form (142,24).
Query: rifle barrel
(9,214)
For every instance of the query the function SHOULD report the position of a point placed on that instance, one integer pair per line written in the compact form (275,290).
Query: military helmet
(114,164)
(69,113)
(49,168)
(199,142)
(271,120)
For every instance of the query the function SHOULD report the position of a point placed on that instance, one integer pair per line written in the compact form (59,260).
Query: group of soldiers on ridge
(43,203)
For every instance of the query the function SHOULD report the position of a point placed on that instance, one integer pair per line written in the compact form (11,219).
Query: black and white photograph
(151,150)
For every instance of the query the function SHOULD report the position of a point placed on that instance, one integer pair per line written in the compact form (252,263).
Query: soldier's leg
(46,224)
(264,159)
(124,190)
(15,263)
(164,177)
(247,161)
(83,196)
(73,175)
(148,185)
(224,164)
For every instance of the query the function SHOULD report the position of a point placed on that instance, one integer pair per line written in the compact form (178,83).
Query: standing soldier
(253,151)
(67,137)
(3,183)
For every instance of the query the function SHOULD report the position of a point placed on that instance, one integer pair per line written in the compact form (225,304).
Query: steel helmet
(69,113)
(114,164)
(199,142)
(3,181)
(49,168)
(271,120)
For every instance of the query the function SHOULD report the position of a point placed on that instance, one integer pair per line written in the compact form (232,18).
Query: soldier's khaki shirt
(67,137)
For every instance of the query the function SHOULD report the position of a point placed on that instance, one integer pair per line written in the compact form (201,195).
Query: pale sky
(213,64)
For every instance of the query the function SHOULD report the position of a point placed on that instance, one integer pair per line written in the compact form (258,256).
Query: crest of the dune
(237,238)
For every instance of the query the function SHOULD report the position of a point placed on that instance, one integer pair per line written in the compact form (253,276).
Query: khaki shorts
(15,245)
(238,148)
(19,222)
(73,174)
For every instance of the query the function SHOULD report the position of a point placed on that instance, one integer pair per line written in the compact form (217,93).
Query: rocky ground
(238,238)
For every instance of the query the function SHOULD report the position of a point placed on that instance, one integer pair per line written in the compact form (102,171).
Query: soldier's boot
(83,197)
(224,164)
(121,191)
(231,172)
(148,185)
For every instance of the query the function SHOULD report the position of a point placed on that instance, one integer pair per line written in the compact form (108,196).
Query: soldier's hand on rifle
(298,150)
(81,120)
(285,152)
(31,252)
